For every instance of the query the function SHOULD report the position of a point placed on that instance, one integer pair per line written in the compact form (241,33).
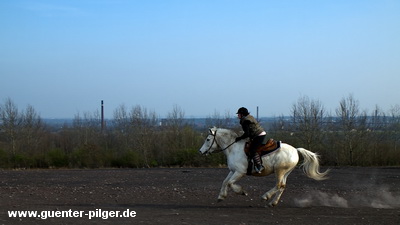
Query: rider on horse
(253,130)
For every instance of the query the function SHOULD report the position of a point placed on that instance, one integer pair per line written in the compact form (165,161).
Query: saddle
(268,146)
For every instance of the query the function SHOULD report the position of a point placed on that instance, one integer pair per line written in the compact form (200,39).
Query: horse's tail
(310,165)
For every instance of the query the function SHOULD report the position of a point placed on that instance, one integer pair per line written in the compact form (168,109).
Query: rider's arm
(246,130)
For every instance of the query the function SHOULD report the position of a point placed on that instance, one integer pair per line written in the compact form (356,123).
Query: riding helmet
(243,111)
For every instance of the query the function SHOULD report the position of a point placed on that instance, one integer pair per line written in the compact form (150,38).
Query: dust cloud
(373,198)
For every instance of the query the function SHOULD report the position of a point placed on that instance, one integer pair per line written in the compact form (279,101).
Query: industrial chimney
(102,116)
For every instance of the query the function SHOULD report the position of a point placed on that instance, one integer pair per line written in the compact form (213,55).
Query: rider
(255,132)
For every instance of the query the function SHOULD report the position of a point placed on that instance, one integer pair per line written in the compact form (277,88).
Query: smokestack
(102,116)
(257,113)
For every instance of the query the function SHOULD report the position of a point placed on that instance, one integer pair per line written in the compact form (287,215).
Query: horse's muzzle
(204,153)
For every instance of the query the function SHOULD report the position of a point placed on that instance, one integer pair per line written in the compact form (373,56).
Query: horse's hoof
(244,193)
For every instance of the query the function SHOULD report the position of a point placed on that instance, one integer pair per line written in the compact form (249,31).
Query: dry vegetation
(134,137)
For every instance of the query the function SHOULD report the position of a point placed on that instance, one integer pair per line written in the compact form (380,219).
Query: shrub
(57,158)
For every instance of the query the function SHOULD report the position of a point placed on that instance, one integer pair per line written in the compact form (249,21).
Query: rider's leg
(257,141)
(257,160)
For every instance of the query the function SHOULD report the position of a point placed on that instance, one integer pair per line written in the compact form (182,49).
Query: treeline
(136,138)
(133,138)
(348,136)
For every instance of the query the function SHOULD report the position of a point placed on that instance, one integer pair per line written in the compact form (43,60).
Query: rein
(215,140)
(229,146)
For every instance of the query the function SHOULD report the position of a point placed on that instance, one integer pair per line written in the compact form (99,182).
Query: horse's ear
(212,130)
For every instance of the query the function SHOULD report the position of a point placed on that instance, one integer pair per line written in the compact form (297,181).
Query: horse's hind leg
(279,188)
(268,195)
(230,182)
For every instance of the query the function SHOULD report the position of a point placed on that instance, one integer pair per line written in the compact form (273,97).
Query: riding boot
(258,165)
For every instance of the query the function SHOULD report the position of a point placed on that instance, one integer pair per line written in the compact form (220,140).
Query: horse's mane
(228,133)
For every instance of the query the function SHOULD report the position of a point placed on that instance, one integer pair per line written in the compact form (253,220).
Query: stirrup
(259,168)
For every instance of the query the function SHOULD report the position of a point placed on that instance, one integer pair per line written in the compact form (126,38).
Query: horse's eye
(208,139)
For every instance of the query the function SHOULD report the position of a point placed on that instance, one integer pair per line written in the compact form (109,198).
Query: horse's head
(210,144)
(218,140)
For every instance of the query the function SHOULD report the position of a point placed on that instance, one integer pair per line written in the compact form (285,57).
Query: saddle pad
(270,146)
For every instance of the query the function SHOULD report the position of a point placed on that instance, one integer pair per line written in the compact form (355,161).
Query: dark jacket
(250,126)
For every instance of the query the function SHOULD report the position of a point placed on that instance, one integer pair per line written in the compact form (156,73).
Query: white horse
(281,162)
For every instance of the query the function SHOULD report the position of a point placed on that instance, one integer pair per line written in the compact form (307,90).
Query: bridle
(215,140)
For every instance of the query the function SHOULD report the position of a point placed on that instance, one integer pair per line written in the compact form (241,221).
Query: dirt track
(188,196)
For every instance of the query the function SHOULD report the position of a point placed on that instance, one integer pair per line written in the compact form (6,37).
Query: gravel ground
(351,195)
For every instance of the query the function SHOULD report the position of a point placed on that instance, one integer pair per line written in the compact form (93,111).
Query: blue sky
(64,57)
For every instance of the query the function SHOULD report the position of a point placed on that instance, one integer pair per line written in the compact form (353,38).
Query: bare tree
(32,133)
(395,125)
(353,128)
(143,124)
(376,134)
(175,118)
(87,137)
(218,120)
(122,128)
(87,127)
(10,124)
(173,127)
(135,133)
(280,129)
(178,137)
(307,121)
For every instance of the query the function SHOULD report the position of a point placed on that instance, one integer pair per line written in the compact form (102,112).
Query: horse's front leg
(235,187)
(224,189)
(230,182)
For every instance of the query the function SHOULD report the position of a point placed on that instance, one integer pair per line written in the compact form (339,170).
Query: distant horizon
(211,114)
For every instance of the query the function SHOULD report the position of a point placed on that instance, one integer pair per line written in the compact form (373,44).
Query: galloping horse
(281,162)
